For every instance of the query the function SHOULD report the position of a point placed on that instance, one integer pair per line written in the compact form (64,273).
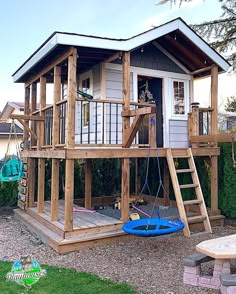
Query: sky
(26,24)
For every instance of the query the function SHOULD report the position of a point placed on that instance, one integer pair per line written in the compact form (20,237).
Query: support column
(166,184)
(125,181)
(26,112)
(31,161)
(214,185)
(88,181)
(137,177)
(41,161)
(70,140)
(214,99)
(55,140)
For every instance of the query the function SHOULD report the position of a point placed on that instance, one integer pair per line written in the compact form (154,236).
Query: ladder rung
(181,156)
(196,219)
(188,186)
(179,171)
(195,201)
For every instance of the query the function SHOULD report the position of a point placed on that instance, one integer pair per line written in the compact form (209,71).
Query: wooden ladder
(203,217)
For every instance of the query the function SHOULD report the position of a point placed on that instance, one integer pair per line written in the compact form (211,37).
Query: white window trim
(84,76)
(186,100)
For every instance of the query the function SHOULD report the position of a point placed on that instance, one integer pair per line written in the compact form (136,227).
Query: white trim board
(149,72)
(120,45)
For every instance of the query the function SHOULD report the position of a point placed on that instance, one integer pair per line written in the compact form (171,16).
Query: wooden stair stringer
(178,195)
(203,217)
(199,194)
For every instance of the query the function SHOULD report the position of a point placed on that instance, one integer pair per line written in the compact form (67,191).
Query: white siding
(178,130)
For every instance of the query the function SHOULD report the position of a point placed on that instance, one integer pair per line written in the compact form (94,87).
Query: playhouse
(136,93)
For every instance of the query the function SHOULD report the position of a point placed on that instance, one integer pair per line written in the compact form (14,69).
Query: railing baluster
(96,122)
(103,122)
(89,124)
(117,106)
(81,122)
(110,125)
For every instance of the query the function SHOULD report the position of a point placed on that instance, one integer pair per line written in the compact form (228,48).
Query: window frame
(86,76)
(185,96)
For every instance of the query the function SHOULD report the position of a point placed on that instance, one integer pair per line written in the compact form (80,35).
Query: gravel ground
(151,265)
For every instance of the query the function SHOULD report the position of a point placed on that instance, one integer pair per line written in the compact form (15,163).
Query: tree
(230,105)
(220,33)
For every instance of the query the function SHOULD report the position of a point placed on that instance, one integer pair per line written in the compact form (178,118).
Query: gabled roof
(6,127)
(176,37)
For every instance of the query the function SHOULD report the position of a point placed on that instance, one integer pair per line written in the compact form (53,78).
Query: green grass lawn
(62,281)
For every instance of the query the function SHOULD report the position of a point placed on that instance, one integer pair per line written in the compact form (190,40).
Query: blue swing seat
(11,170)
(150,227)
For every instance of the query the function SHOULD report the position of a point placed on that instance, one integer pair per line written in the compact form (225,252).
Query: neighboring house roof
(5,129)
(10,107)
(175,37)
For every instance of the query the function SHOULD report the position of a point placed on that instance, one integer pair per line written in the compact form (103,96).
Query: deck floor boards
(81,220)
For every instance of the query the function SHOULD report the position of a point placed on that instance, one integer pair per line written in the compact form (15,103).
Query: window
(179,97)
(86,88)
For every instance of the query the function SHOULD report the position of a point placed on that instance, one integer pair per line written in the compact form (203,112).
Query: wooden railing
(199,123)
(100,126)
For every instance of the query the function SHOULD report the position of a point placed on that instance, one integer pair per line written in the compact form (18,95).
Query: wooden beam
(125,189)
(139,111)
(41,185)
(50,65)
(132,131)
(27,129)
(214,99)
(214,138)
(56,109)
(198,71)
(113,57)
(88,182)
(27,117)
(129,152)
(55,189)
(126,94)
(60,154)
(69,195)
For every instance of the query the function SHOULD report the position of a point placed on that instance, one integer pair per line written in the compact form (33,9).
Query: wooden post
(137,177)
(26,112)
(214,99)
(88,181)
(31,161)
(33,108)
(214,185)
(70,140)
(166,184)
(41,161)
(125,189)
(55,140)
(195,123)
(125,181)
(152,130)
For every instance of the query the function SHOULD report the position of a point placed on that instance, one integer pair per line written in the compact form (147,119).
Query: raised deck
(90,229)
